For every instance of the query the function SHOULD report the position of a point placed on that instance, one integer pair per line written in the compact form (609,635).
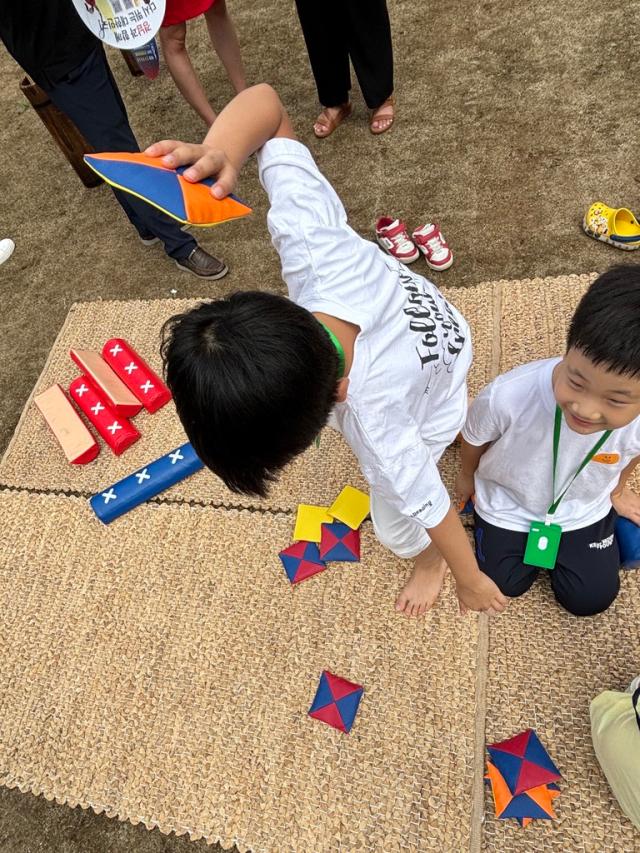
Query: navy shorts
(585,580)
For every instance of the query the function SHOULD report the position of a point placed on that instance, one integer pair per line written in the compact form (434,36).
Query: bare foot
(420,592)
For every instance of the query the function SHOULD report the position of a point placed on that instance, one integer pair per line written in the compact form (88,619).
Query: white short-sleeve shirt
(513,483)
(412,354)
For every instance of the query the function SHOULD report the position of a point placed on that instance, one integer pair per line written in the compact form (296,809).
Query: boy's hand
(627,504)
(464,489)
(481,594)
(203,162)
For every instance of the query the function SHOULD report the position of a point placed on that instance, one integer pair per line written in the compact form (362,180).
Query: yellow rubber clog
(617,226)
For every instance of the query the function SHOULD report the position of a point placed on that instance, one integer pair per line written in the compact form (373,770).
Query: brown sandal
(329,123)
(380,114)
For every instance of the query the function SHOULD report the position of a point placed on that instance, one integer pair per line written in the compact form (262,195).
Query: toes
(401,603)
(411,608)
(321,126)
(382,122)
(406,605)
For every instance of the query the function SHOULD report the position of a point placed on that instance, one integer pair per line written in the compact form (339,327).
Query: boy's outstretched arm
(244,125)
(470,586)
(476,591)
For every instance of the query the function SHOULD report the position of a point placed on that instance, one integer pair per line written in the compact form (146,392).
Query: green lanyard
(339,349)
(341,360)
(583,464)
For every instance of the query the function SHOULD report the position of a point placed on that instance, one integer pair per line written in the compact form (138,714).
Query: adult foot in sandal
(383,117)
(330,118)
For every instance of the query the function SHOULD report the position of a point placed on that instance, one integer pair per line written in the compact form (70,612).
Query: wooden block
(118,431)
(140,379)
(112,389)
(78,444)
(146,483)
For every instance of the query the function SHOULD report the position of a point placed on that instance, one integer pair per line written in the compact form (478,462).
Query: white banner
(125,24)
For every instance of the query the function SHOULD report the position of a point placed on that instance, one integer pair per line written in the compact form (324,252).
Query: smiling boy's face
(592,397)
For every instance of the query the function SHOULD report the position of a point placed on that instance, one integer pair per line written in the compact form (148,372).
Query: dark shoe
(148,239)
(203,264)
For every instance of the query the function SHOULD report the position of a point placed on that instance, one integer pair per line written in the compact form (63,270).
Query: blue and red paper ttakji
(336,701)
(523,778)
(336,542)
(301,561)
(339,543)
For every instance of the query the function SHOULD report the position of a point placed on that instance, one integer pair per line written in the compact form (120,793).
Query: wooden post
(69,139)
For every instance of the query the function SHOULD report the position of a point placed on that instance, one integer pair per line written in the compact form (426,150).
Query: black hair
(606,324)
(254,377)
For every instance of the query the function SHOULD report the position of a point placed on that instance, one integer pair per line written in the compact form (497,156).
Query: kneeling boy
(548,448)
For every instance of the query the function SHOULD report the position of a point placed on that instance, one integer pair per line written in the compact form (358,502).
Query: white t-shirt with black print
(412,354)
(514,478)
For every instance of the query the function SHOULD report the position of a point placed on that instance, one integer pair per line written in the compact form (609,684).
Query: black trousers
(336,30)
(585,580)
(90,97)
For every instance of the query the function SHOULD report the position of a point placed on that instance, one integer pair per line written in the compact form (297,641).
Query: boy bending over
(548,448)
(256,376)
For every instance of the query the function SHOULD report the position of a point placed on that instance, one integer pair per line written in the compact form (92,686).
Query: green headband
(339,349)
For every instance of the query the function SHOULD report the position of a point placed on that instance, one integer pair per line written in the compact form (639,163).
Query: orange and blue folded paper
(523,778)
(151,180)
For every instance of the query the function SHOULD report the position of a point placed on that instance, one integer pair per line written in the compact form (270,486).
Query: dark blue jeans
(90,97)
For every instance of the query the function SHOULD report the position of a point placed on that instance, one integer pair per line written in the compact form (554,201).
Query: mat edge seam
(476,833)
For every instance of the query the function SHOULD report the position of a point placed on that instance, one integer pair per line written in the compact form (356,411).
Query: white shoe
(433,246)
(6,249)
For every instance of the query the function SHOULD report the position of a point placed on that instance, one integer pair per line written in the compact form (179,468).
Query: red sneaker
(392,236)
(433,246)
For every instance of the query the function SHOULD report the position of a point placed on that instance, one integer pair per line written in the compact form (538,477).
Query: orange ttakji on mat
(150,180)
(523,778)
(535,803)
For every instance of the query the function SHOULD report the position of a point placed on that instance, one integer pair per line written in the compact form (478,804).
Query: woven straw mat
(171,664)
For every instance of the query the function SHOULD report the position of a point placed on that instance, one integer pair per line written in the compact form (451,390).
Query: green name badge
(543,543)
